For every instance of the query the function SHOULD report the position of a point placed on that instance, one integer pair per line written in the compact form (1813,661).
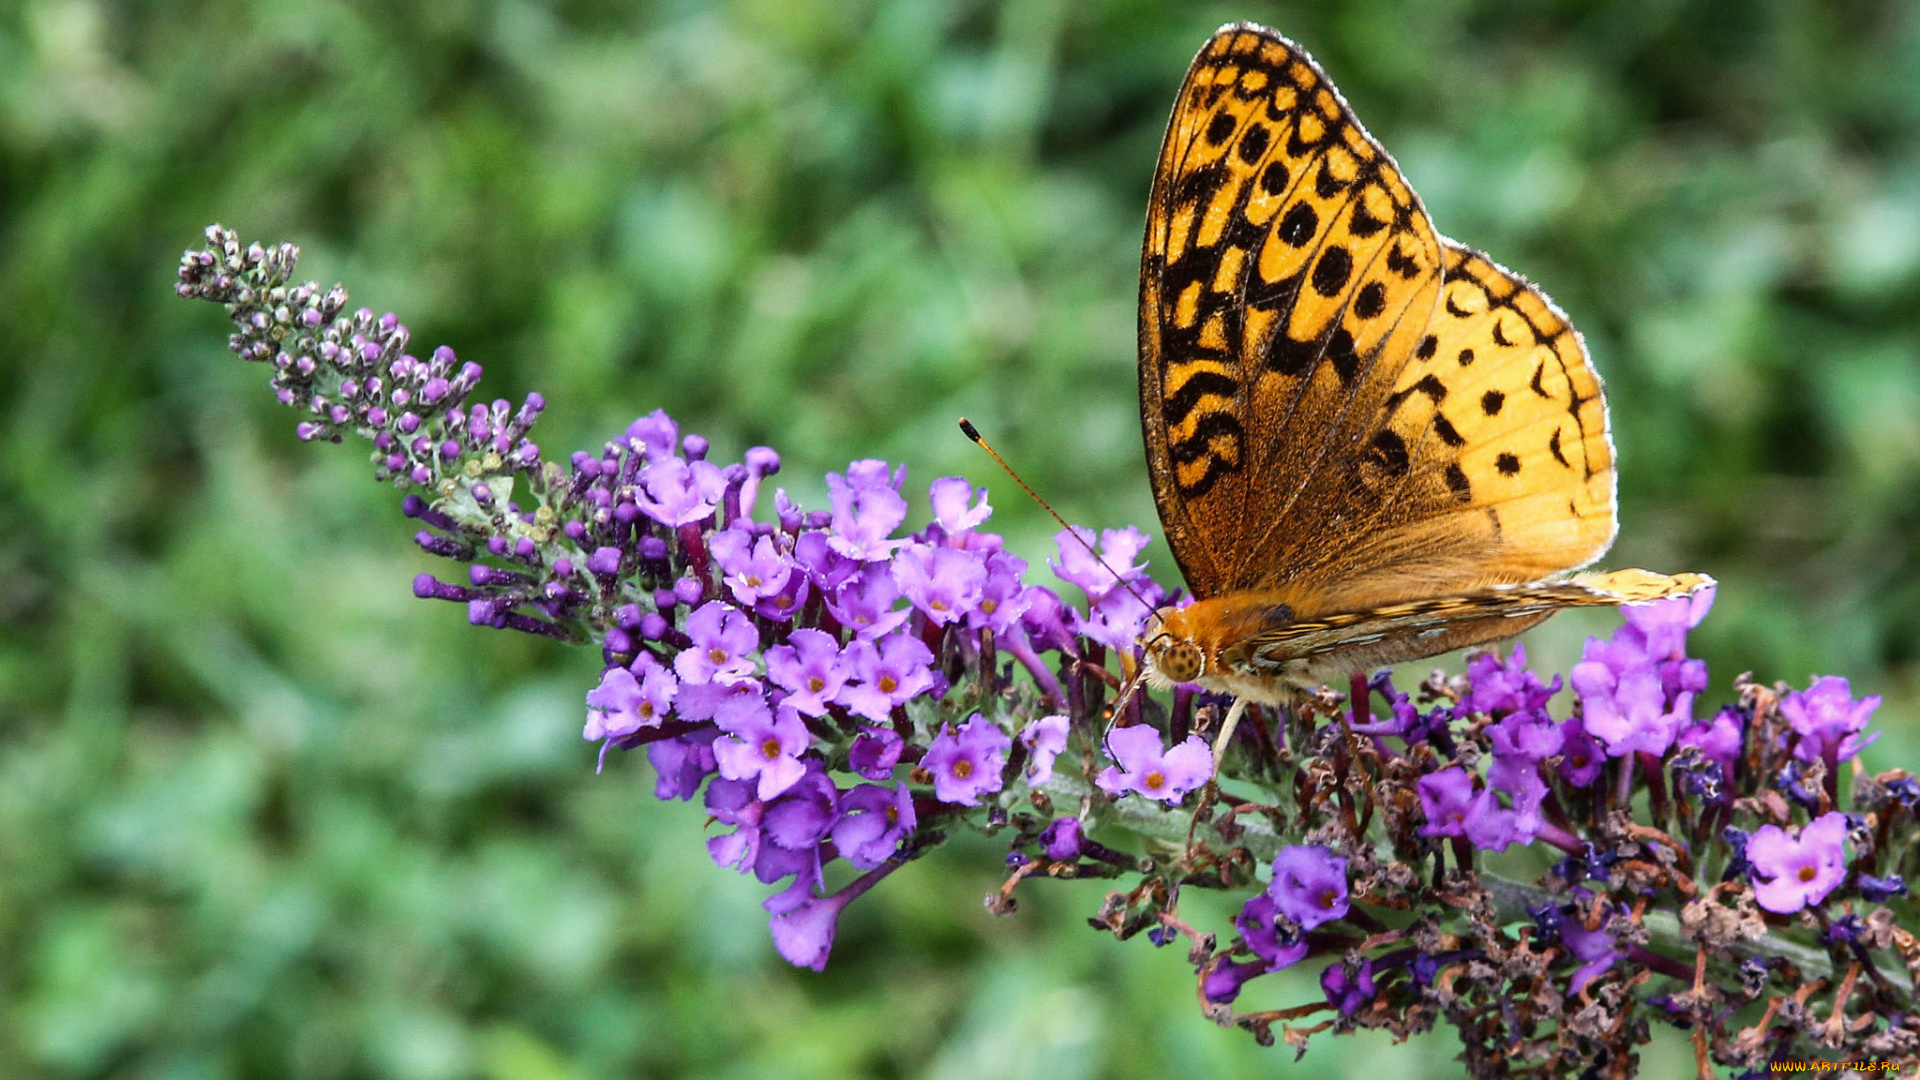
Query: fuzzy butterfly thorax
(1368,443)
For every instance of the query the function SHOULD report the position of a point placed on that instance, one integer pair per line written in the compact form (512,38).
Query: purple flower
(950,496)
(1499,688)
(967,765)
(1491,826)
(1877,890)
(1274,944)
(1661,626)
(657,434)
(863,602)
(1044,739)
(1625,707)
(1309,885)
(873,821)
(683,764)
(623,704)
(764,829)
(761,462)
(1116,619)
(1581,756)
(1003,596)
(1144,767)
(808,667)
(1655,636)
(1061,839)
(765,745)
(723,636)
(825,567)
(803,931)
(1447,797)
(887,673)
(874,753)
(804,936)
(1520,742)
(1826,714)
(678,493)
(944,583)
(754,569)
(867,507)
(801,816)
(732,802)
(782,606)
(1046,619)
(712,700)
(1223,983)
(1596,949)
(1348,986)
(1098,576)
(1802,870)
(1719,739)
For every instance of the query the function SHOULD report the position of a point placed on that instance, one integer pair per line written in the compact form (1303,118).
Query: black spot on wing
(1298,226)
(1289,357)
(1491,401)
(1325,184)
(1465,357)
(1341,355)
(1500,334)
(1457,483)
(1389,451)
(1220,129)
(1428,345)
(1553,444)
(1371,301)
(1539,370)
(1507,464)
(1363,224)
(1273,178)
(1445,429)
(1253,145)
(1330,274)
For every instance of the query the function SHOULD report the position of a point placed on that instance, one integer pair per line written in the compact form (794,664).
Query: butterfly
(1367,442)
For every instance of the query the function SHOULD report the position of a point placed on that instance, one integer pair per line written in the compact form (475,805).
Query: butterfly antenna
(971,432)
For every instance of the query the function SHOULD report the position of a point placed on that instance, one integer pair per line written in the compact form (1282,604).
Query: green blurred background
(263,814)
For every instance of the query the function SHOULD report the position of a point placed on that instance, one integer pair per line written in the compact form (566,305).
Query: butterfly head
(1172,654)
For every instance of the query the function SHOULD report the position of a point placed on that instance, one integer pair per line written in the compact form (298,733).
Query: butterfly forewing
(1287,275)
(1341,406)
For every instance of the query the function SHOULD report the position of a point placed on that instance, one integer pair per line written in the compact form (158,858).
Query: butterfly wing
(1285,260)
(1311,426)
(1340,643)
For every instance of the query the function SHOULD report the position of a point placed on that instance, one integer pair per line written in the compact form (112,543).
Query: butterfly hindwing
(1509,474)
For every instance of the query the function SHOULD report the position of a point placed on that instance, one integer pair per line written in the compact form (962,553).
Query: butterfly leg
(1225,738)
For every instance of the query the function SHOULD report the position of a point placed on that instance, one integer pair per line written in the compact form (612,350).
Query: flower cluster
(836,689)
(1741,833)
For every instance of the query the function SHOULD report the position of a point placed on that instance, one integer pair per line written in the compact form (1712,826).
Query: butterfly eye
(1180,661)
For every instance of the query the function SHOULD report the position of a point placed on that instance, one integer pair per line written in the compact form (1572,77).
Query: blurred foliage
(264,815)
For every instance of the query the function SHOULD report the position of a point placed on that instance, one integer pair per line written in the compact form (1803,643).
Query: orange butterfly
(1368,443)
